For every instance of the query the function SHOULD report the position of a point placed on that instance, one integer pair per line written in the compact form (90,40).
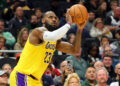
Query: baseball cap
(2,72)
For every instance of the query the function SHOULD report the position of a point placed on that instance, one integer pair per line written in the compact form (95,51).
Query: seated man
(113,22)
(90,77)
(109,51)
(107,61)
(101,77)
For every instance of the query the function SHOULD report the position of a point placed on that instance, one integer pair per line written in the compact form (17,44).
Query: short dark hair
(38,9)
(104,37)
(108,56)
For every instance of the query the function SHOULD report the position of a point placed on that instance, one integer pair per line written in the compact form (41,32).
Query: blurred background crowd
(96,64)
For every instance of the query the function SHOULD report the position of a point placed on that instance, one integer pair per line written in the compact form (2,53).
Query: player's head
(50,21)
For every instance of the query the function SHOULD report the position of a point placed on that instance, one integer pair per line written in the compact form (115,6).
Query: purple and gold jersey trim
(21,79)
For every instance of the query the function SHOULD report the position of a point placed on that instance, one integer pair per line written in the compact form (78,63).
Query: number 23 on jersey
(48,56)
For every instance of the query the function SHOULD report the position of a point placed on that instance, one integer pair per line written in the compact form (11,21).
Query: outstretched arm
(42,34)
(69,48)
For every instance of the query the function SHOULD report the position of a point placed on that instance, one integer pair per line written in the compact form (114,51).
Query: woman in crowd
(2,46)
(101,11)
(21,39)
(98,29)
(71,38)
(103,43)
(93,54)
(72,80)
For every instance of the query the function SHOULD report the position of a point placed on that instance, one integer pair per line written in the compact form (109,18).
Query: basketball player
(39,49)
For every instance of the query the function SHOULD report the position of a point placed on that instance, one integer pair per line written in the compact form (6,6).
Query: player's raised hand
(81,25)
(68,17)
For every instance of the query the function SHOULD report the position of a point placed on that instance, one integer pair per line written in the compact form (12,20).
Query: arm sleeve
(57,34)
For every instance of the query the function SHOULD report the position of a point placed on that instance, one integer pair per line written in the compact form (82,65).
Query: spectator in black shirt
(33,23)
(113,22)
(113,5)
(17,21)
(107,61)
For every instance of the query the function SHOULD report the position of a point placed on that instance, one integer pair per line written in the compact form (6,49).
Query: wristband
(69,23)
(79,30)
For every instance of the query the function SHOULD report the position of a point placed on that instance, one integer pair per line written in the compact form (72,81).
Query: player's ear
(43,20)
(115,70)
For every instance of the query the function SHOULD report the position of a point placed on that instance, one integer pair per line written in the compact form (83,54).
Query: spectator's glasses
(99,22)
(107,50)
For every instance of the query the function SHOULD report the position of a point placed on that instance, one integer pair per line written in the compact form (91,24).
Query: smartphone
(70,65)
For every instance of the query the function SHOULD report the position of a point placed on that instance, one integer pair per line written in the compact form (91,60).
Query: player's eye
(56,18)
(50,17)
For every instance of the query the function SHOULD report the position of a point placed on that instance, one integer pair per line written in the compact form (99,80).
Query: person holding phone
(79,64)
(68,70)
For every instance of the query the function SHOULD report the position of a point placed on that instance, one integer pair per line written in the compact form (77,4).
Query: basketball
(78,13)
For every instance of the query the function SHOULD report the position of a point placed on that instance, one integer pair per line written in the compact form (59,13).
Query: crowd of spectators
(96,63)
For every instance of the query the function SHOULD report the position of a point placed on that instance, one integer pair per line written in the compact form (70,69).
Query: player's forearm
(57,34)
(77,43)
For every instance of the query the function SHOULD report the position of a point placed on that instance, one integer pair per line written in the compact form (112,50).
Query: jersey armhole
(36,44)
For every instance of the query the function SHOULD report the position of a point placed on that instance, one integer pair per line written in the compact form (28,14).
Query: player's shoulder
(41,28)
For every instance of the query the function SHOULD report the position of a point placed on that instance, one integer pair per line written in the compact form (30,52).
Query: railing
(11,51)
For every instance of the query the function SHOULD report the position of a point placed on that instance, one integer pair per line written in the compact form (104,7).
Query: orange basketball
(78,13)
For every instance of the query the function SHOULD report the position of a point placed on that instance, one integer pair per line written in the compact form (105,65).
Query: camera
(70,65)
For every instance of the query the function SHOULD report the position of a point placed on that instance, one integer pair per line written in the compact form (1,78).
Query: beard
(91,81)
(102,81)
(91,20)
(34,25)
(50,27)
